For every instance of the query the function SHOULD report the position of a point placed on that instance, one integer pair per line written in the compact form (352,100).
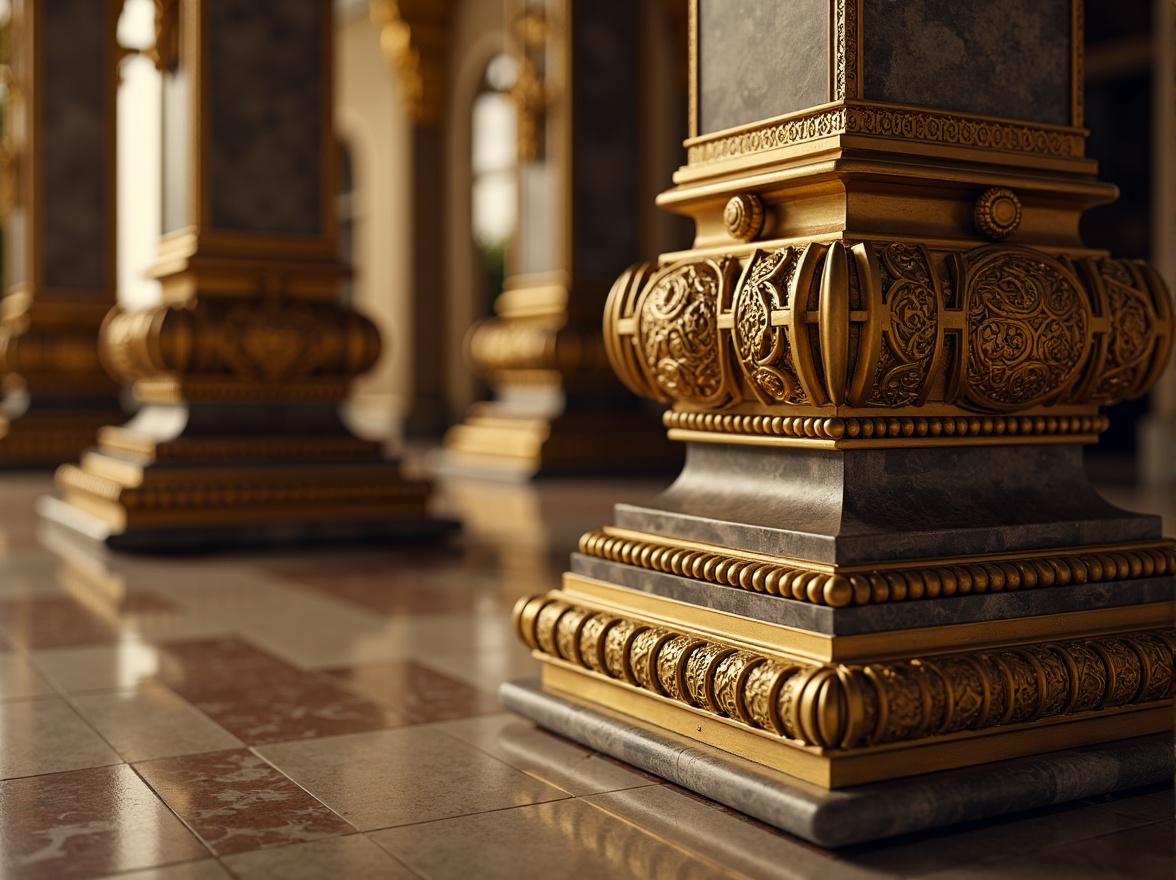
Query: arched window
(494,163)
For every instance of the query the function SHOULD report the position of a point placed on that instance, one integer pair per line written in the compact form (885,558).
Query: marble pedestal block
(858,814)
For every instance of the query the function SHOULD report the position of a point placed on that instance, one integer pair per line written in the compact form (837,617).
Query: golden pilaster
(883,558)
(59,197)
(242,366)
(557,406)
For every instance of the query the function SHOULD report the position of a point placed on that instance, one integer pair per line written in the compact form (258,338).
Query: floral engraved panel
(908,290)
(678,332)
(763,350)
(1029,328)
(1130,341)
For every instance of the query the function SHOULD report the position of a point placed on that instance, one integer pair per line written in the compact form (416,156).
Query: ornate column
(883,559)
(557,408)
(242,366)
(59,198)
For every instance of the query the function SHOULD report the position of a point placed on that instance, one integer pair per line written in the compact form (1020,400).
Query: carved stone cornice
(844,335)
(414,36)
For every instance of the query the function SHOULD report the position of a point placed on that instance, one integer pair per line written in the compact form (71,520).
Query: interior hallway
(323,714)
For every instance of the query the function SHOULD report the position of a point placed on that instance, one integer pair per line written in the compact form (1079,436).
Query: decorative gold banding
(875,342)
(884,428)
(887,121)
(852,585)
(851,706)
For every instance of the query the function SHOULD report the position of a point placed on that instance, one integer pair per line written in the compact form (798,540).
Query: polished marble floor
(331,714)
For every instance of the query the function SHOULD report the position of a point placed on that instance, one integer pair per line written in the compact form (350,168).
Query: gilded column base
(842,817)
(838,711)
(812,620)
(182,477)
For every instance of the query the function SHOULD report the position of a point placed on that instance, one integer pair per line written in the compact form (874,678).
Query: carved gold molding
(534,351)
(841,586)
(414,36)
(859,332)
(895,122)
(859,705)
(239,348)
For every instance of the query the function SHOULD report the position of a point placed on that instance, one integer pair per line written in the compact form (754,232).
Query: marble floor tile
(19,678)
(45,735)
(418,693)
(399,777)
(152,722)
(1141,853)
(87,823)
(485,667)
(348,858)
(236,802)
(126,664)
(385,590)
(724,836)
(562,839)
(1061,825)
(205,869)
(53,622)
(260,699)
(566,765)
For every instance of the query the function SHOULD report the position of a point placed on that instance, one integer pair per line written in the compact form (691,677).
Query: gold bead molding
(997,213)
(855,706)
(890,339)
(807,583)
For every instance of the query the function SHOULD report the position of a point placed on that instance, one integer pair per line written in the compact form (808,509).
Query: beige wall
(370,121)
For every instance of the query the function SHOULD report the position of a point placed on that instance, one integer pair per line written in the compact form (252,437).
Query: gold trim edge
(856,585)
(847,707)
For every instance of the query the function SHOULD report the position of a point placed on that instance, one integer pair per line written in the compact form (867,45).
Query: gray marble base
(863,813)
(862,506)
(855,620)
(286,534)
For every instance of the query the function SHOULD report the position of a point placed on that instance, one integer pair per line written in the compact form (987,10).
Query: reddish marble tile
(418,692)
(385,591)
(237,802)
(87,823)
(260,699)
(35,622)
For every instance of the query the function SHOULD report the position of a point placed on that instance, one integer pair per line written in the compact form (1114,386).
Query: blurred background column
(244,364)
(579,108)
(57,188)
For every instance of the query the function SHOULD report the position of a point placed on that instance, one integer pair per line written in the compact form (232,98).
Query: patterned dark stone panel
(1004,58)
(760,58)
(266,107)
(606,138)
(74,142)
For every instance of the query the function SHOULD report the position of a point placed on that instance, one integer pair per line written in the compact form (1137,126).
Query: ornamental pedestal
(557,407)
(242,366)
(882,594)
(58,194)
